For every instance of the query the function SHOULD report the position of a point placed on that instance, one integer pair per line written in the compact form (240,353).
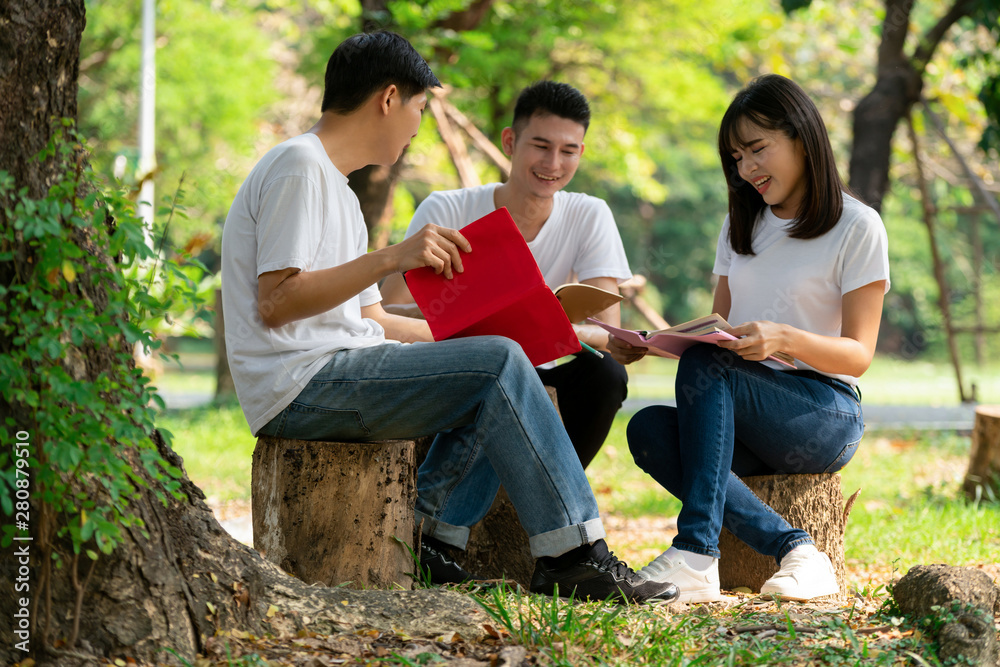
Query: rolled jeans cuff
(456,536)
(559,541)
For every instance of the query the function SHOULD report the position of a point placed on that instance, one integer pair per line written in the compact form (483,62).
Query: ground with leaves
(533,630)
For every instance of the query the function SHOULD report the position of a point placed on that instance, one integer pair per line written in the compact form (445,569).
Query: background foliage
(234,79)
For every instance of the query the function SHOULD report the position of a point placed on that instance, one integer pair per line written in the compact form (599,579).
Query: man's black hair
(549,97)
(366,63)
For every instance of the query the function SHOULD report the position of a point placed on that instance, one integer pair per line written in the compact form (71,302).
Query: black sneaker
(434,557)
(596,574)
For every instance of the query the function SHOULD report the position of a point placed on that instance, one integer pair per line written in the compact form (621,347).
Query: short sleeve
(723,251)
(283,239)
(602,254)
(865,254)
(434,209)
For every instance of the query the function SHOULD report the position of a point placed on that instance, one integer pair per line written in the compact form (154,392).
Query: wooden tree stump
(336,512)
(983,478)
(812,503)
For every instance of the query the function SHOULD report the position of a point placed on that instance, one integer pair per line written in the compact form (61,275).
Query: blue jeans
(736,418)
(495,425)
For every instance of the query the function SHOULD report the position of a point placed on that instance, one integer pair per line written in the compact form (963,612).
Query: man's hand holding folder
(436,248)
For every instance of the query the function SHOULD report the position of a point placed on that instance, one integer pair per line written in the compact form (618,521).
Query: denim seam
(830,468)
(282,418)
(459,478)
(397,379)
(307,408)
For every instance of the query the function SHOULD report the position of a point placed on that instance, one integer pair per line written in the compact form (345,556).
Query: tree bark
(983,477)
(812,503)
(39,66)
(336,512)
(897,87)
(374,186)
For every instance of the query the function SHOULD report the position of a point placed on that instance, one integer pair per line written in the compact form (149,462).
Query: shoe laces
(612,564)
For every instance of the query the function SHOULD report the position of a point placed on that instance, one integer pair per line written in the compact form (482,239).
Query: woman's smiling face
(774,165)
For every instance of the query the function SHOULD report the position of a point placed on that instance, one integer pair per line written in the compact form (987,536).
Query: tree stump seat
(336,512)
(813,503)
(982,480)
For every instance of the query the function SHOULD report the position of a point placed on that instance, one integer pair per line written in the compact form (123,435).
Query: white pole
(147,142)
(147,117)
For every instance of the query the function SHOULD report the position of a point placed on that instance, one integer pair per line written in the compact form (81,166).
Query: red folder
(500,292)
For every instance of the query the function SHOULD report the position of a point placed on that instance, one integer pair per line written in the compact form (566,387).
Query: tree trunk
(898,85)
(812,503)
(39,66)
(875,121)
(879,112)
(940,271)
(374,186)
(177,578)
(983,477)
(336,512)
(189,579)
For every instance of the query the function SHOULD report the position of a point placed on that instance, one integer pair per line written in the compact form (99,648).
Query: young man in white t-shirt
(572,236)
(314,356)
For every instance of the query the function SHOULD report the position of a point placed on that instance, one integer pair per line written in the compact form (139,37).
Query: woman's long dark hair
(773,102)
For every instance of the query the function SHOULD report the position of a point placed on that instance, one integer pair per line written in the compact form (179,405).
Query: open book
(581,301)
(500,292)
(671,342)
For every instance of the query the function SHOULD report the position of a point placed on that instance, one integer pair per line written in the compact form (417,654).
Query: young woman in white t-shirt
(802,268)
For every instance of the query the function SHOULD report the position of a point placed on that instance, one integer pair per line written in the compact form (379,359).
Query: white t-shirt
(294,210)
(579,240)
(801,282)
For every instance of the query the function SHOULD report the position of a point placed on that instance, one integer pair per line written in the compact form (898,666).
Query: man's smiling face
(544,154)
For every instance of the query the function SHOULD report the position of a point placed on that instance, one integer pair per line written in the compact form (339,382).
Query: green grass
(217,447)
(186,382)
(892,381)
(911,508)
(749,633)
(889,381)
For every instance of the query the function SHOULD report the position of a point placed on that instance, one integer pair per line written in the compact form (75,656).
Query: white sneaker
(695,586)
(805,573)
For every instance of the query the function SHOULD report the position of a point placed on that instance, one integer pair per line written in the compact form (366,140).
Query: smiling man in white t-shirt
(314,356)
(572,236)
